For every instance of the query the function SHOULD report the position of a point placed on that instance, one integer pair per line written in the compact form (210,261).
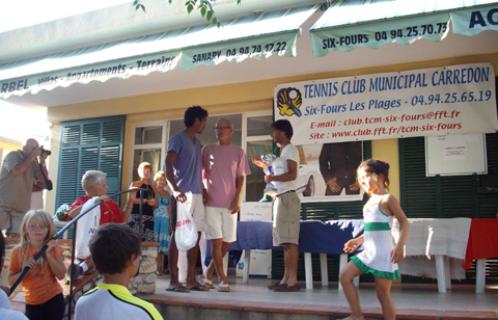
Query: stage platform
(256,302)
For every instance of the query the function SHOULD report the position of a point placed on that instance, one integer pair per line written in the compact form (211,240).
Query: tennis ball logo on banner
(289,100)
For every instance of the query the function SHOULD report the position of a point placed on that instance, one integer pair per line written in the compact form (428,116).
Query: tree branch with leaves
(204,7)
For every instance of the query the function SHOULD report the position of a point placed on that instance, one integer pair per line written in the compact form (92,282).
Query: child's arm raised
(394,208)
(55,262)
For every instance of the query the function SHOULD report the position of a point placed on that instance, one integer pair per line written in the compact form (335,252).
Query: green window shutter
(68,175)
(457,196)
(418,192)
(488,184)
(446,197)
(323,211)
(452,196)
(94,144)
(432,197)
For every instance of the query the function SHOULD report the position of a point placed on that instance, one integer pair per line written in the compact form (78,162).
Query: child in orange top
(43,294)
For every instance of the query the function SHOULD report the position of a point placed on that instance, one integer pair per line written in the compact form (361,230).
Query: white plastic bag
(86,228)
(186,231)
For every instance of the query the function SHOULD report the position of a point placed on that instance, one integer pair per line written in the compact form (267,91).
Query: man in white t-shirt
(287,206)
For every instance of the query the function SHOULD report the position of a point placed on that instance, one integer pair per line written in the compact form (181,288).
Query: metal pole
(71,274)
(141,213)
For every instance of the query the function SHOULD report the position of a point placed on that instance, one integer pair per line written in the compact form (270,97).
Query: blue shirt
(187,167)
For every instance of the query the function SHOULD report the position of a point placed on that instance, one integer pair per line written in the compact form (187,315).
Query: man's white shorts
(221,224)
(195,206)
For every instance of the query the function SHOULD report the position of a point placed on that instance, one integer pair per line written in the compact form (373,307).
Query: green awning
(257,37)
(359,23)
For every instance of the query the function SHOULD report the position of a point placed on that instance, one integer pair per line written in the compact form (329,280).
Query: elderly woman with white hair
(94,182)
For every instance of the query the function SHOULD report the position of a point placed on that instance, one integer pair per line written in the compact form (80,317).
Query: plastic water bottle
(268,159)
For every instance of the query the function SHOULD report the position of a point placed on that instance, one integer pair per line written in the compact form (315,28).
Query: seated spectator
(116,252)
(94,182)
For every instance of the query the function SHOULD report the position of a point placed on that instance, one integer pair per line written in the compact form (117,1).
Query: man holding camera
(19,169)
(43,182)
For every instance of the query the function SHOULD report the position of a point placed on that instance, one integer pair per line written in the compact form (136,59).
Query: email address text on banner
(448,100)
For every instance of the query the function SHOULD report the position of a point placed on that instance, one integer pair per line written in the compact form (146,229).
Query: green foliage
(204,7)
(139,6)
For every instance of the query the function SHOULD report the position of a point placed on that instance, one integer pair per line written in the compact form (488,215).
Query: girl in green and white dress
(380,254)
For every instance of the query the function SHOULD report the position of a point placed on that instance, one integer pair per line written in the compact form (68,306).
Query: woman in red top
(94,182)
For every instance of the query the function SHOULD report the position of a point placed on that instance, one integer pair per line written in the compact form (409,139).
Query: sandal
(198,287)
(287,288)
(178,288)
(223,287)
(209,284)
(276,285)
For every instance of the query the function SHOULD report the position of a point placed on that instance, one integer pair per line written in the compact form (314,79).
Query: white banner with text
(438,101)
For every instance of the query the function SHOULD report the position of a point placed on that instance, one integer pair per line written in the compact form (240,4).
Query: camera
(45,151)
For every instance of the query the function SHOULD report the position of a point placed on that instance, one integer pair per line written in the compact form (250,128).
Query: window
(258,142)
(259,126)
(148,135)
(148,146)
(209,134)
(255,183)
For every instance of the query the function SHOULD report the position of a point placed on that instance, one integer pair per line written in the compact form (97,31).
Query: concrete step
(256,302)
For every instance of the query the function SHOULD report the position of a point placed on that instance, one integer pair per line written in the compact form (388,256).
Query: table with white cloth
(435,248)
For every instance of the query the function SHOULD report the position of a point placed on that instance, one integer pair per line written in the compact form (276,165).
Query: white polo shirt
(86,228)
(114,302)
(280,166)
